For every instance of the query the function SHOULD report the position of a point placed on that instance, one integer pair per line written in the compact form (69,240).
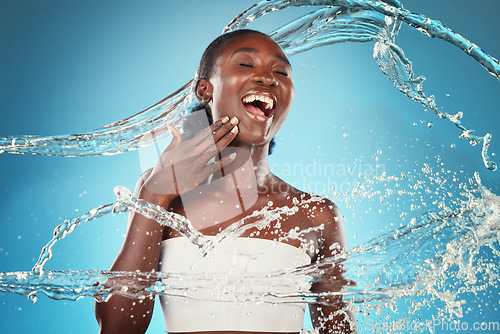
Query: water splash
(126,203)
(336,21)
(123,204)
(437,256)
(118,137)
(447,246)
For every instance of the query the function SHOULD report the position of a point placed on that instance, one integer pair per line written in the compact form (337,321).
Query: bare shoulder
(321,210)
(315,209)
(323,214)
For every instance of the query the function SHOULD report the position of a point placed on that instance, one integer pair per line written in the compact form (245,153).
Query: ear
(204,90)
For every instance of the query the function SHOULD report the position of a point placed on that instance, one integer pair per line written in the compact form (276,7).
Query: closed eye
(282,73)
(246,65)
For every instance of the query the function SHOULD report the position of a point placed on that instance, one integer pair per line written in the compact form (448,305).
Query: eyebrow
(252,50)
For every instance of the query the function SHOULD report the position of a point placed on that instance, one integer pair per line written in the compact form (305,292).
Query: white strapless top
(230,286)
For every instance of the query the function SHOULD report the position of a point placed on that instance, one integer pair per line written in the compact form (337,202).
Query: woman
(220,176)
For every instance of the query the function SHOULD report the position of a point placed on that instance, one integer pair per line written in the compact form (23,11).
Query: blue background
(70,67)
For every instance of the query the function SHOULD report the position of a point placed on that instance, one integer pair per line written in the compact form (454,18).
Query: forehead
(253,43)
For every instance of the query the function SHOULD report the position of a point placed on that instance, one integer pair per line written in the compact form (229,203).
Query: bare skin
(205,174)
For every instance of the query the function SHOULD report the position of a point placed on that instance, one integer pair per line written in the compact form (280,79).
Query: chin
(244,138)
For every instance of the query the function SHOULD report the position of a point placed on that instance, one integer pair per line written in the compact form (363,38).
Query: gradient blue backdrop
(73,66)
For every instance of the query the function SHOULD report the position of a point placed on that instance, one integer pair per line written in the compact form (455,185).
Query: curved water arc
(439,243)
(47,271)
(128,134)
(390,8)
(138,130)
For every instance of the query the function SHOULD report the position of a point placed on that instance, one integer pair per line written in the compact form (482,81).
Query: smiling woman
(221,177)
(70,67)
(249,69)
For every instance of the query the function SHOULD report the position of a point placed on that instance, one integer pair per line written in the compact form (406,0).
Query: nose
(266,78)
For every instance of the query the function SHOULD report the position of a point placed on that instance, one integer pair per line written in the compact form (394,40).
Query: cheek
(291,92)
(289,95)
(225,97)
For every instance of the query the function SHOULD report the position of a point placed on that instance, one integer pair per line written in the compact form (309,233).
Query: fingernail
(225,119)
(235,129)
(232,155)
(234,120)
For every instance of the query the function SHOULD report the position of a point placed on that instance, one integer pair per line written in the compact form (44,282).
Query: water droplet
(429,125)
(32,297)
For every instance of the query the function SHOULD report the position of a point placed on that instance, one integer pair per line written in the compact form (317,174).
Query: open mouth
(260,106)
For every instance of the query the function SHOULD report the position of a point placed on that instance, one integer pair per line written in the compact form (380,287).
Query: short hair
(214,49)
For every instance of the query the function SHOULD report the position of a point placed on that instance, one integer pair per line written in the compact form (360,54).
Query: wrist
(155,198)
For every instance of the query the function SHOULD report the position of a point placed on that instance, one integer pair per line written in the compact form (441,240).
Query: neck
(250,168)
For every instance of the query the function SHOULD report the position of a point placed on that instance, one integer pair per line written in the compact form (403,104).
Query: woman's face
(252,80)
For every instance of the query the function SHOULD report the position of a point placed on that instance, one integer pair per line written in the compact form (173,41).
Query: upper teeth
(268,102)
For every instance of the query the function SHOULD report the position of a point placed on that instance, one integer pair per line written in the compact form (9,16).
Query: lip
(260,118)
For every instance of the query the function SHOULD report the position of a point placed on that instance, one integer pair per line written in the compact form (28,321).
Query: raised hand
(185,163)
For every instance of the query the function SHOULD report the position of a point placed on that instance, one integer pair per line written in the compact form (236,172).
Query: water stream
(339,21)
(437,259)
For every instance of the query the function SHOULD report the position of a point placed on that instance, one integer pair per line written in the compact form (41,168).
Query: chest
(278,221)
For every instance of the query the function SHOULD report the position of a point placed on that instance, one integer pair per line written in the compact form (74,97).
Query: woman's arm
(140,251)
(330,314)
(181,167)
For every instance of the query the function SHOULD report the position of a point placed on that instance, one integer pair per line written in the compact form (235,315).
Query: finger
(227,131)
(214,149)
(176,137)
(223,130)
(208,131)
(176,140)
(219,164)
